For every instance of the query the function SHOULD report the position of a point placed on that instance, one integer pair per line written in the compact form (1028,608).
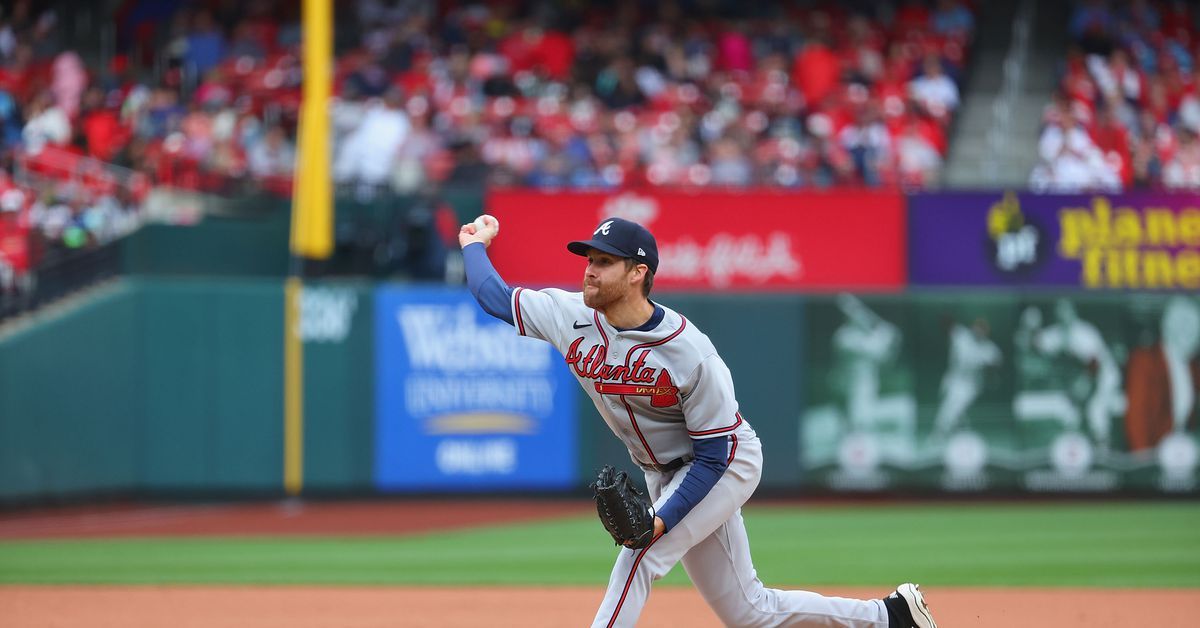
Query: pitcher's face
(606,280)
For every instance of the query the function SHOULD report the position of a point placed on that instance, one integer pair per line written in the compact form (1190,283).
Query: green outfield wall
(212,384)
(71,413)
(339,384)
(169,386)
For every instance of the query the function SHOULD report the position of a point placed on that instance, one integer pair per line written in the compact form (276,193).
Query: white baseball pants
(712,543)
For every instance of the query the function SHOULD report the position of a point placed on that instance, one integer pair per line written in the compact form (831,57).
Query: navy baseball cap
(623,238)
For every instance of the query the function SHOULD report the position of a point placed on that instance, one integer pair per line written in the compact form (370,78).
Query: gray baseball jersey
(658,390)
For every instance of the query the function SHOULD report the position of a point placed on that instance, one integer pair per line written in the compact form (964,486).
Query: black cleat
(907,606)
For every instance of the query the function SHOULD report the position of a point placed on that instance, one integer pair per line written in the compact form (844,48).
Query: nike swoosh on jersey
(577,325)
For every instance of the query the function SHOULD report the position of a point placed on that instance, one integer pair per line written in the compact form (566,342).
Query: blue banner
(463,402)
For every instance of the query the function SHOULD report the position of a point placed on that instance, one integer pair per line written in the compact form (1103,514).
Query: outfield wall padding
(174,386)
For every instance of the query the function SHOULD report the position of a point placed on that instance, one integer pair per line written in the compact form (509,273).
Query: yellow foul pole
(312,222)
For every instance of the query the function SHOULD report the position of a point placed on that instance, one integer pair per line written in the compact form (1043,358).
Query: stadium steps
(995,138)
(1048,50)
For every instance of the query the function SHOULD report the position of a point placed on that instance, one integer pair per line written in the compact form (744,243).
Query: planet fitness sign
(1124,241)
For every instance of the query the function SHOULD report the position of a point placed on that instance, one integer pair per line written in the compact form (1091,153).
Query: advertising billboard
(976,392)
(1143,241)
(715,241)
(463,402)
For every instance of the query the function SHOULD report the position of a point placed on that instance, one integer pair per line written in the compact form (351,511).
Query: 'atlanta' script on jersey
(635,379)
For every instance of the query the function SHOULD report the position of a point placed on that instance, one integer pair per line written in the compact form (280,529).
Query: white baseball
(481,226)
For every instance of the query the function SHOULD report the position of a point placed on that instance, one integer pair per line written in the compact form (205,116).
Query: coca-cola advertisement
(734,241)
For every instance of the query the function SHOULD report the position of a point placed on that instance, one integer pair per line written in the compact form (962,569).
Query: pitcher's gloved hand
(622,509)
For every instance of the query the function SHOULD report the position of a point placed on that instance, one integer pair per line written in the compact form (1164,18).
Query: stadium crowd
(1128,110)
(598,96)
(205,95)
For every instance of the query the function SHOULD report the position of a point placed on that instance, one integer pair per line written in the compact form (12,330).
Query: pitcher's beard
(602,297)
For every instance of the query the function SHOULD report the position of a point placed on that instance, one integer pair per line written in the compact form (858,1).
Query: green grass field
(1089,545)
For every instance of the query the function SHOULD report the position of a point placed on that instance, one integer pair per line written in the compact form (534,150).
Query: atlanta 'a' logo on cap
(603,228)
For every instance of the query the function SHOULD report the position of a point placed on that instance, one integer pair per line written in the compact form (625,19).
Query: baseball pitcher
(661,387)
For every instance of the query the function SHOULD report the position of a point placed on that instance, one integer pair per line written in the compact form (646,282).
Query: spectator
(734,50)
(1078,84)
(1158,100)
(1071,161)
(227,160)
(247,42)
(534,48)
(162,115)
(917,158)
(420,157)
(468,170)
(862,57)
(17,75)
(869,147)
(933,90)
(369,80)
(730,167)
(1142,15)
(1189,104)
(197,128)
(44,35)
(205,45)
(69,81)
(554,171)
(1122,112)
(214,91)
(1112,140)
(365,154)
(952,19)
(616,86)
(1183,170)
(1065,134)
(1155,142)
(671,155)
(272,156)
(48,124)
(697,50)
(8,40)
(1116,76)
(102,127)
(1092,25)
(10,120)
(816,72)
(912,16)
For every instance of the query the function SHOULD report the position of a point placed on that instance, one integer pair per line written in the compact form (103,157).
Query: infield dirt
(321,607)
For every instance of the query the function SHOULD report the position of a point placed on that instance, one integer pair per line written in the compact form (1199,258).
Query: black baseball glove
(622,508)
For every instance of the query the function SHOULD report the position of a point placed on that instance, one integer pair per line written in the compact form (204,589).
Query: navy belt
(670,466)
